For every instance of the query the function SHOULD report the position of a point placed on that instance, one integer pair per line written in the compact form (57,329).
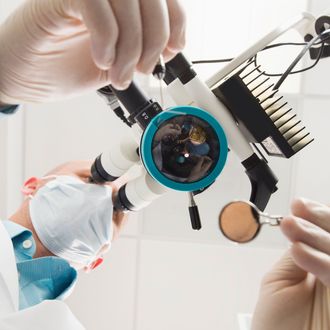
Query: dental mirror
(240,221)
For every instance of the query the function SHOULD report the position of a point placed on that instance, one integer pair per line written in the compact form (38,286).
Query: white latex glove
(54,49)
(295,294)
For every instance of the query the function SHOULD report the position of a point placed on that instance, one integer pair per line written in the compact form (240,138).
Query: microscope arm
(302,23)
(187,89)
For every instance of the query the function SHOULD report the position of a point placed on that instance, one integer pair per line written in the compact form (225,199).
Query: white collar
(8,270)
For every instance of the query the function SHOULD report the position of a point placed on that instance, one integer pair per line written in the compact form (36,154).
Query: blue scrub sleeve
(8,110)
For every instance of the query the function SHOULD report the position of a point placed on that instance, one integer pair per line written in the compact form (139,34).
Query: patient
(64,224)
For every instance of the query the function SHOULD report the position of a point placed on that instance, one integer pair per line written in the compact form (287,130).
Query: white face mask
(73,219)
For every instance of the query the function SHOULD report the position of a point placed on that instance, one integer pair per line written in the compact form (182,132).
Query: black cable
(254,59)
(285,44)
(109,96)
(119,112)
(224,60)
(301,55)
(292,72)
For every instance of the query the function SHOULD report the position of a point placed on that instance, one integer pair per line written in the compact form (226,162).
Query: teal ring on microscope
(147,140)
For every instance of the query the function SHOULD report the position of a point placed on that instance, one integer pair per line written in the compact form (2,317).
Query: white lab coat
(49,315)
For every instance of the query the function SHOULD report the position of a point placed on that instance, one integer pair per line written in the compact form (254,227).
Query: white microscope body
(185,88)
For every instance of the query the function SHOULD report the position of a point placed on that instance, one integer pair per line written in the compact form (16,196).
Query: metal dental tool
(241,221)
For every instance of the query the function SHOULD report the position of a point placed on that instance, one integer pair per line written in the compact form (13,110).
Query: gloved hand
(54,49)
(295,294)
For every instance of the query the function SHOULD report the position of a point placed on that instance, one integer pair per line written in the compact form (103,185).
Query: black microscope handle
(195,218)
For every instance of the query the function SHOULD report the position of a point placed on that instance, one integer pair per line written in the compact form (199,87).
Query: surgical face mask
(73,219)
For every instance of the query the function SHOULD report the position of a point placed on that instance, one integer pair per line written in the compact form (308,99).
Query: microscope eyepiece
(121,202)
(99,174)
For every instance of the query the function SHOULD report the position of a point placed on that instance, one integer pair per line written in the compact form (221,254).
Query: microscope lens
(185,148)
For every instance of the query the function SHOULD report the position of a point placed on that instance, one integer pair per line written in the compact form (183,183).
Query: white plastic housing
(120,158)
(179,94)
(143,190)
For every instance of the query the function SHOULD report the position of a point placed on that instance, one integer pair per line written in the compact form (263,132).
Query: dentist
(64,224)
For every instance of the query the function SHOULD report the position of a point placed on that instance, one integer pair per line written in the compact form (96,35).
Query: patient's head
(68,216)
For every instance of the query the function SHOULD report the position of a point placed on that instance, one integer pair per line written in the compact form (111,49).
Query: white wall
(161,274)
(11,135)
(313,177)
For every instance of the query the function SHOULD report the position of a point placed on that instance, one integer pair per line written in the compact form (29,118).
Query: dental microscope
(184,148)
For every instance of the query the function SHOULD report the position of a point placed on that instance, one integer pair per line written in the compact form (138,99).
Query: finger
(156,32)
(177,130)
(101,23)
(206,167)
(207,161)
(177,38)
(285,273)
(129,45)
(314,212)
(312,261)
(299,230)
(173,132)
(197,169)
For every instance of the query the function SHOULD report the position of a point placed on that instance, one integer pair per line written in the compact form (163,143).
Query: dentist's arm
(54,49)
(295,294)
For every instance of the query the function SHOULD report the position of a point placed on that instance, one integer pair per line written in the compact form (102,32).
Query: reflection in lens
(185,148)
(239,221)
